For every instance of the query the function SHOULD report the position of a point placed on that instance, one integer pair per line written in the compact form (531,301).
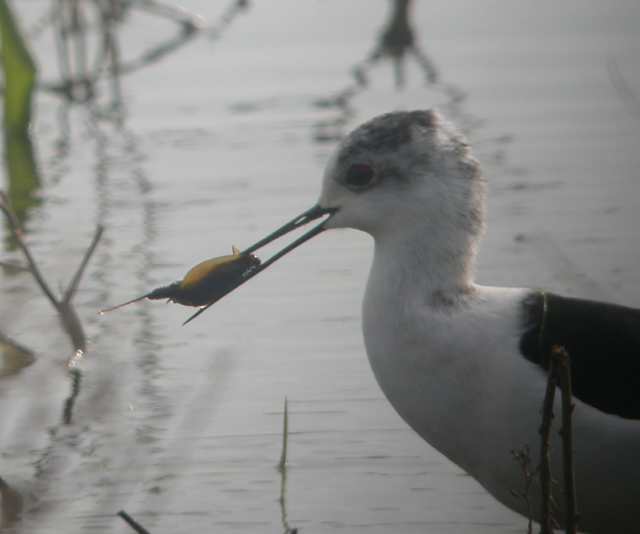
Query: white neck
(435,262)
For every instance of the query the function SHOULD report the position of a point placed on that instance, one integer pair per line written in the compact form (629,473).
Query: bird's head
(400,170)
(404,175)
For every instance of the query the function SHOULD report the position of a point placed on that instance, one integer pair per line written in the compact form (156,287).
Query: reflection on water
(396,42)
(22,174)
(11,505)
(89,49)
(181,427)
(19,80)
(13,356)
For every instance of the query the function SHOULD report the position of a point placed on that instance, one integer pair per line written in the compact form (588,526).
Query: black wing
(603,342)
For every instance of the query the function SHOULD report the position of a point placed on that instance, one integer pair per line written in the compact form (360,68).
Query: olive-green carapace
(206,282)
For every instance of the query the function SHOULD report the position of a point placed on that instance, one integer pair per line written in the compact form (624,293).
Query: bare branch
(563,368)
(14,266)
(16,231)
(174,13)
(620,84)
(546,520)
(523,458)
(132,522)
(73,286)
(67,414)
(282,467)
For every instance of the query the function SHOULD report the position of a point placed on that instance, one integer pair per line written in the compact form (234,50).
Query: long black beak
(316,212)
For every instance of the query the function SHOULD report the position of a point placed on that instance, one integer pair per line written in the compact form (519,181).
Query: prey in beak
(316,212)
(212,279)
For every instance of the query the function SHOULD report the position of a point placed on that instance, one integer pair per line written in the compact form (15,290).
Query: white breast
(456,376)
(448,371)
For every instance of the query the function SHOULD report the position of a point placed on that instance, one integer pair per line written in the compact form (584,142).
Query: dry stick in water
(563,370)
(285,438)
(66,312)
(71,31)
(282,467)
(523,458)
(13,266)
(546,517)
(132,523)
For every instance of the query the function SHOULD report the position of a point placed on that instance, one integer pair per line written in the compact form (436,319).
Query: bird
(465,365)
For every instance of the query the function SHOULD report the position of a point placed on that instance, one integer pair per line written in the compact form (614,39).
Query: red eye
(359,176)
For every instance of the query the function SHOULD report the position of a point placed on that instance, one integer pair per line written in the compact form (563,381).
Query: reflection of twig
(108,55)
(71,38)
(621,86)
(189,21)
(11,504)
(132,522)
(397,41)
(66,312)
(563,369)
(159,51)
(13,266)
(237,7)
(70,401)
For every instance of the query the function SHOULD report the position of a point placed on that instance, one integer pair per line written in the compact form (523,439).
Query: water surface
(224,140)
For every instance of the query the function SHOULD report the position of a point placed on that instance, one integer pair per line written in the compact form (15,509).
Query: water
(224,140)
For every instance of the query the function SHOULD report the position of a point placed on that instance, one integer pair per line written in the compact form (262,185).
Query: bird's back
(603,342)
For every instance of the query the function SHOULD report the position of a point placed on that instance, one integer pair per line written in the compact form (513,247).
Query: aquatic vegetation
(19,74)
(67,314)
(132,522)
(13,356)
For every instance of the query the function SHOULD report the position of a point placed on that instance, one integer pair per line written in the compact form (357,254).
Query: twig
(79,31)
(66,312)
(546,520)
(17,234)
(523,458)
(282,467)
(75,281)
(14,266)
(11,505)
(620,84)
(282,464)
(236,7)
(78,84)
(563,369)
(62,48)
(132,522)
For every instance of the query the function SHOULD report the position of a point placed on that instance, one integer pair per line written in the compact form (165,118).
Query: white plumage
(463,364)
(445,351)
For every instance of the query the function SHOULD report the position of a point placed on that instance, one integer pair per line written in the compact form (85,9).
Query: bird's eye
(359,176)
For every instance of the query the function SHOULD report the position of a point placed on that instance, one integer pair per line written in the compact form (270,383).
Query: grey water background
(224,140)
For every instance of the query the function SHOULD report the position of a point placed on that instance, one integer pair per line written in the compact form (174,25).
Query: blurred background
(184,129)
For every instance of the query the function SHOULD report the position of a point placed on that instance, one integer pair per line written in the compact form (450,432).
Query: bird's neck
(435,264)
